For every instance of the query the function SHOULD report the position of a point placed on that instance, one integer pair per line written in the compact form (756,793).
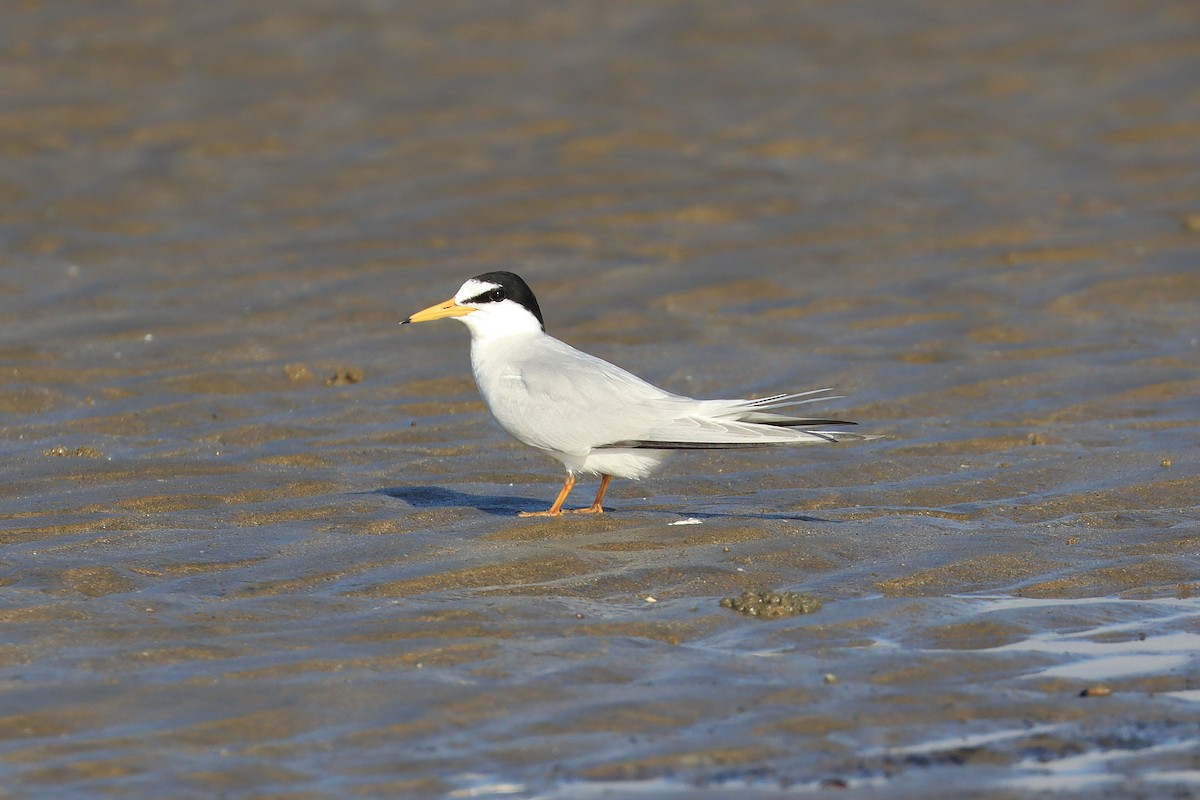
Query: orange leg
(556,509)
(595,507)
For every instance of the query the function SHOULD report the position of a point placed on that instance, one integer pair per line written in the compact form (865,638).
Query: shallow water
(258,541)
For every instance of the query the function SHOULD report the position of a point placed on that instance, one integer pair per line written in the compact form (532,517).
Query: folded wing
(583,403)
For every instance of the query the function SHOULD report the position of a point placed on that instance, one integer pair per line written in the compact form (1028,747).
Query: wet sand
(259,541)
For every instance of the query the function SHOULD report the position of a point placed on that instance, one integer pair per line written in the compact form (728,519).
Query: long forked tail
(730,424)
(755,415)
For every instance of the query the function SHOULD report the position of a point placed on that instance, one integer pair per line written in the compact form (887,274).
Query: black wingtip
(805,423)
(651,444)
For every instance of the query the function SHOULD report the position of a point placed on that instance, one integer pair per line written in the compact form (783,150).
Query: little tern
(593,416)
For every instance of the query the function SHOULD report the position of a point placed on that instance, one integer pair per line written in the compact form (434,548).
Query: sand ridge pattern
(256,542)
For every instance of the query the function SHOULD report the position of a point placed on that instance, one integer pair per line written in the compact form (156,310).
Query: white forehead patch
(473,288)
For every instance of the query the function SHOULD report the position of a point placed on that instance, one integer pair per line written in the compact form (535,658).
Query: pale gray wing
(573,402)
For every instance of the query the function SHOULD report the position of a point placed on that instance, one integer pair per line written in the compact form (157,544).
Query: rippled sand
(259,541)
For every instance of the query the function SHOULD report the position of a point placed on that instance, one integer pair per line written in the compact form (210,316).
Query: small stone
(1098,690)
(830,678)
(1166,462)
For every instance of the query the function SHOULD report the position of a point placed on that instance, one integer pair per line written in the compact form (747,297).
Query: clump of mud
(79,452)
(769,604)
(345,376)
(297,372)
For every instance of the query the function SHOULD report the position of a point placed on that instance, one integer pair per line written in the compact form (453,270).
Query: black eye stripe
(490,296)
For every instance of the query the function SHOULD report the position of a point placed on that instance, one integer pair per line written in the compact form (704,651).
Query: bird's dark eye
(496,295)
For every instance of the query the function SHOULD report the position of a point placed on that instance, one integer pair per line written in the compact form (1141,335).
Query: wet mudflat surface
(259,541)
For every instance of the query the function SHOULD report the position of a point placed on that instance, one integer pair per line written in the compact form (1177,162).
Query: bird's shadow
(507,506)
(441,497)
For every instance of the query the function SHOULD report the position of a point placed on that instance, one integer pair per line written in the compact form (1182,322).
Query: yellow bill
(439,311)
